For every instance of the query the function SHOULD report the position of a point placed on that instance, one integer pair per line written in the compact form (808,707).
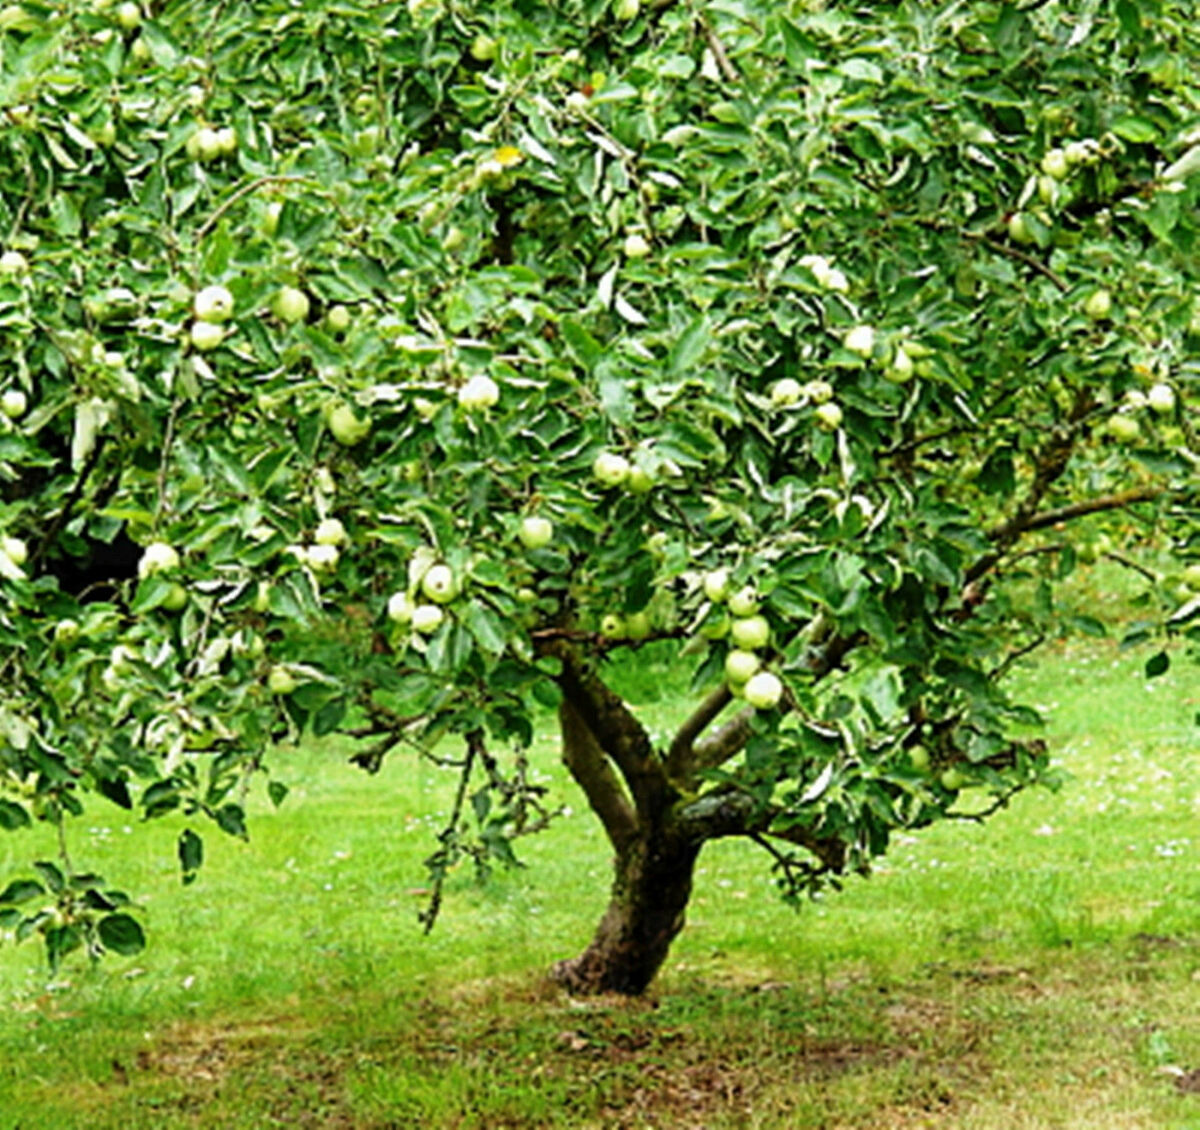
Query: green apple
(763,690)
(715,627)
(612,625)
(740,665)
(901,368)
(262,597)
(1084,152)
(1161,399)
(637,625)
(105,135)
(640,481)
(1124,429)
(1055,164)
(176,598)
(479,393)
(129,16)
(345,425)
(786,392)
(860,340)
(610,469)
(918,758)
(157,557)
(400,608)
(1098,306)
(427,618)
(829,416)
(750,632)
(626,10)
(15,550)
(338,319)
(290,305)
(484,48)
(13,263)
(818,392)
(66,631)
(716,585)
(213,304)
(227,141)
(140,51)
(535,531)
(1191,576)
(636,246)
(330,531)
(204,144)
(206,336)
(1019,230)
(953,779)
(280,680)
(439,584)
(744,602)
(270,217)
(13,403)
(526,595)
(322,558)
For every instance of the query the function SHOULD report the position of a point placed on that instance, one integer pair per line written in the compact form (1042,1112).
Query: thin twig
(1023,257)
(245,190)
(727,69)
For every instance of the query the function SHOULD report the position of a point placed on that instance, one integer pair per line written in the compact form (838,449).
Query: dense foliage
(888,312)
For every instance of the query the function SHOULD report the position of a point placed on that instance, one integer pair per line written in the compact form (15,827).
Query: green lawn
(1042,970)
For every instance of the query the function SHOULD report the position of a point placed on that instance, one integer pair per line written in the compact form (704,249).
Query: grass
(1042,970)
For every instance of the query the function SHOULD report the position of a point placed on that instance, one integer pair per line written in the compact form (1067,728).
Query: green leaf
(486,628)
(689,348)
(52,876)
(13,816)
(122,934)
(21,890)
(232,819)
(190,849)
(1157,665)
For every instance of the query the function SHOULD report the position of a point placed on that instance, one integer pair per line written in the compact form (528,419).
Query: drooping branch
(593,773)
(679,755)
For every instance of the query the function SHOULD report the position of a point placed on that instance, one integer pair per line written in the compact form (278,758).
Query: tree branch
(725,742)
(593,773)
(679,756)
(1046,518)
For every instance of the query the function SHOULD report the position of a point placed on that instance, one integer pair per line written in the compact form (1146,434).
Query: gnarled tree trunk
(651,887)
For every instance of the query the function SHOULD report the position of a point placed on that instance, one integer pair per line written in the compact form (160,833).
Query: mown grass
(1042,970)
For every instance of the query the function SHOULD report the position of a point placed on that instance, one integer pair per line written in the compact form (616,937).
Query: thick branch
(1046,518)
(723,814)
(726,742)
(593,773)
(679,756)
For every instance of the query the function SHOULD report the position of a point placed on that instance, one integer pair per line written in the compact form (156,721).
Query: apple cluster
(749,632)
(422,608)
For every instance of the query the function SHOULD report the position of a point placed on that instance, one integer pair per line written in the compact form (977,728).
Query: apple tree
(398,371)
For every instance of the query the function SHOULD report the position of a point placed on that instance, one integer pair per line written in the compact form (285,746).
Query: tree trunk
(651,887)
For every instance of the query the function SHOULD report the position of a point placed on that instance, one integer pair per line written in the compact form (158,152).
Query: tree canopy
(388,370)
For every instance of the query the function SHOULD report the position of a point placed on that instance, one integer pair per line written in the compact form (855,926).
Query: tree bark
(651,888)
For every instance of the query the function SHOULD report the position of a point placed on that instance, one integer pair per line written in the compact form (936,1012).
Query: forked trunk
(651,887)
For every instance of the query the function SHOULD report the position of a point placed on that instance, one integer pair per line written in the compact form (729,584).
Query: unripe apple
(750,632)
(66,630)
(836,280)
(330,531)
(479,393)
(439,584)
(206,336)
(740,665)
(484,48)
(204,144)
(139,49)
(322,558)
(15,550)
(953,779)
(716,585)
(105,135)
(860,340)
(918,758)
(400,608)
(640,480)
(1098,307)
(626,9)
(829,416)
(637,625)
(338,319)
(280,680)
(610,469)
(763,691)
(1161,399)
(427,618)
(1124,429)
(901,368)
(744,602)
(157,557)
(176,598)
(1055,164)
(1047,189)
(270,218)
(213,304)
(290,305)
(13,263)
(612,626)
(13,403)
(227,141)
(786,392)
(346,427)
(262,597)
(129,16)
(324,481)
(818,392)
(1191,576)
(1085,152)
(636,246)
(535,531)
(1019,230)
(715,627)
